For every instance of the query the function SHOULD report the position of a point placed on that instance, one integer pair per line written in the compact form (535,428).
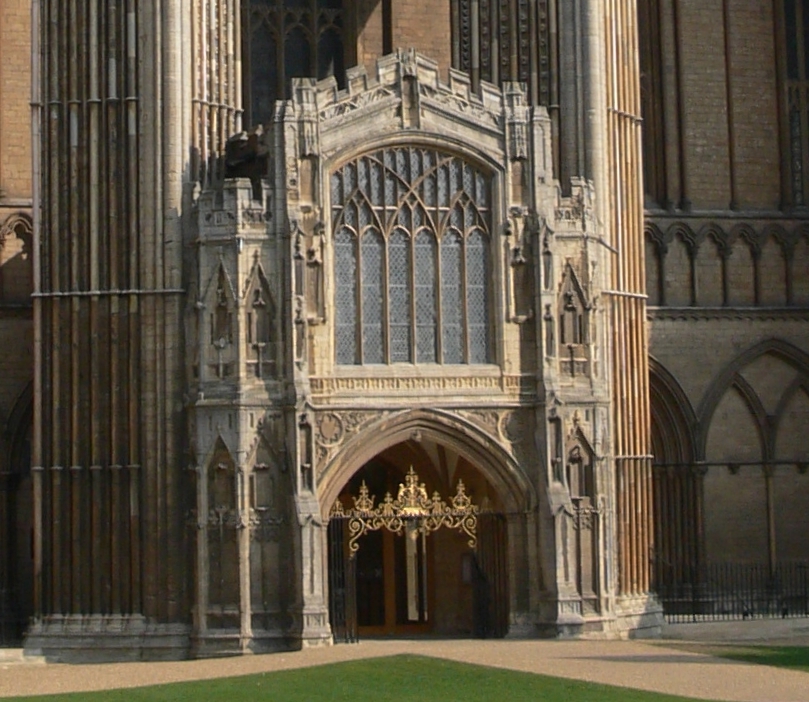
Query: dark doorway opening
(16,536)
(416,581)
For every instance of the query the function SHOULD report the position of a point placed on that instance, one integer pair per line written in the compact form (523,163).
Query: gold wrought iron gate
(354,572)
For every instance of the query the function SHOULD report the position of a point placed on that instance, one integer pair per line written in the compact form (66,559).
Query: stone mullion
(202,561)
(55,538)
(110,215)
(78,552)
(243,539)
(534,46)
(78,240)
(143,405)
(669,151)
(439,327)
(37,454)
(553,86)
(782,101)
(114,541)
(130,433)
(730,106)
(682,121)
(51,358)
(196,107)
(167,345)
(465,304)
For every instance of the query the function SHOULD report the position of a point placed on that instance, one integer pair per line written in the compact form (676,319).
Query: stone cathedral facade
(311,279)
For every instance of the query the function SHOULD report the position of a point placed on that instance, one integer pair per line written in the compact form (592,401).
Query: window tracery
(411,259)
(287,39)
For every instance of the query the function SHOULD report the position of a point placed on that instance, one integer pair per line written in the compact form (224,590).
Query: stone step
(9,656)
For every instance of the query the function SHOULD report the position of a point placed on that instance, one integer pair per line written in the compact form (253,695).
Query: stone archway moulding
(445,428)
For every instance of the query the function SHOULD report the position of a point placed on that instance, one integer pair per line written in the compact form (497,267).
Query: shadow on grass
(794,657)
(403,678)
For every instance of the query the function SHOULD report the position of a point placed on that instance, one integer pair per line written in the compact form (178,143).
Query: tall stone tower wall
(117,151)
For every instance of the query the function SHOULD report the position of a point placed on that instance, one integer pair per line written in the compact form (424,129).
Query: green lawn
(401,678)
(796,657)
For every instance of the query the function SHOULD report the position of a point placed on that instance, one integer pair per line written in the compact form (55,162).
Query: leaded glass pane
(400,321)
(481,192)
(468,180)
(337,198)
(477,265)
(377,182)
(395,195)
(415,165)
(402,162)
(350,215)
(366,216)
(390,188)
(345,274)
(429,190)
(363,177)
(443,187)
(456,217)
(451,299)
(469,215)
(426,317)
(371,271)
(419,217)
(428,159)
(455,175)
(350,175)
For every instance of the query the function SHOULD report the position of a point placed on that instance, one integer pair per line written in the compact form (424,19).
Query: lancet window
(286,39)
(412,264)
(500,40)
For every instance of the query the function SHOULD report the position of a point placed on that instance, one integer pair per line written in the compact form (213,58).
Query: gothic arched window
(411,259)
(286,39)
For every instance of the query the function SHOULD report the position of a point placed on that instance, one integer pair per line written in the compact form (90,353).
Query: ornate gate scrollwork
(411,505)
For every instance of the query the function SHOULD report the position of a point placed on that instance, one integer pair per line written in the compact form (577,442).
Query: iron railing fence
(725,591)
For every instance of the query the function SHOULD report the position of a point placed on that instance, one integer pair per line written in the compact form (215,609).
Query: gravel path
(644,665)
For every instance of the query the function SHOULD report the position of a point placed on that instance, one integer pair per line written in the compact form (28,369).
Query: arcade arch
(420,581)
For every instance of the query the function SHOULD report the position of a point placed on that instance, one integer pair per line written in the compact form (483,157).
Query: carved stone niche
(221,479)
(573,311)
(261,324)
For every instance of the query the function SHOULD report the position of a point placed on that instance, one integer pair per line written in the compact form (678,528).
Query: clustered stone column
(630,369)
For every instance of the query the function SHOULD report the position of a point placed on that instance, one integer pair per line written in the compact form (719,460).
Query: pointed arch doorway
(400,576)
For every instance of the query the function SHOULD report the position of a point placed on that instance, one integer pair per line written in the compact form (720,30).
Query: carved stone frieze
(458,105)
(512,384)
(381,95)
